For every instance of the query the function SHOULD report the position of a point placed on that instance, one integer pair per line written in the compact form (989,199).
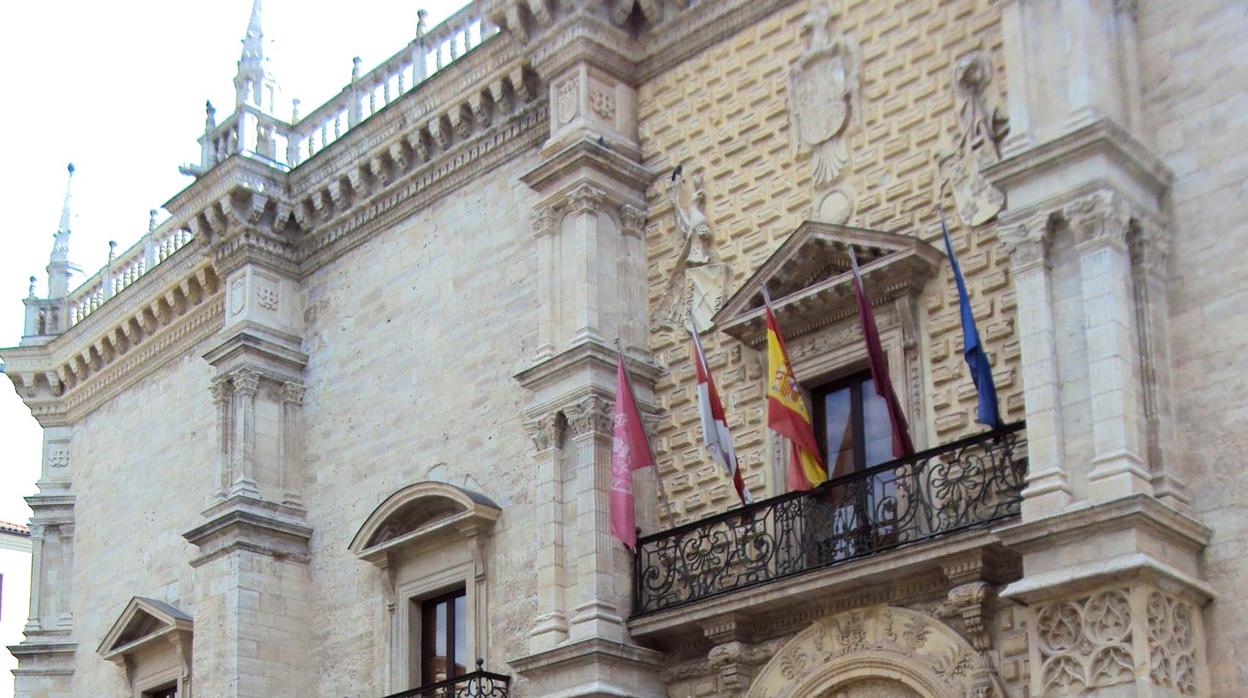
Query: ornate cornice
(69,377)
(434,180)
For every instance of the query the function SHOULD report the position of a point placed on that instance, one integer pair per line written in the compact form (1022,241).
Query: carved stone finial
(112,250)
(421,27)
(210,116)
(294,110)
(824,99)
(31,292)
(355,69)
(151,220)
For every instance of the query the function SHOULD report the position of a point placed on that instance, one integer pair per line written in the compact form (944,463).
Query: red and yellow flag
(787,414)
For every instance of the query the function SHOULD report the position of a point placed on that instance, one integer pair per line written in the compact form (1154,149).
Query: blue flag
(981,372)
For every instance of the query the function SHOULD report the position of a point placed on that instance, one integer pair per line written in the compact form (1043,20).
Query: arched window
(430,541)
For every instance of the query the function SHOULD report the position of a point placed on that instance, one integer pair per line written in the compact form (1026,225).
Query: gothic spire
(59,268)
(253,40)
(60,247)
(255,84)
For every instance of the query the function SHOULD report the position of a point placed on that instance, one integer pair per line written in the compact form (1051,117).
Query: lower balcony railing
(972,482)
(478,684)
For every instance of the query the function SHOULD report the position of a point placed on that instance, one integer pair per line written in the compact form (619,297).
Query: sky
(118,88)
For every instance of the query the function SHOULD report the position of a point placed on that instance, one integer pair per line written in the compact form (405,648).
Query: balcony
(477,684)
(967,484)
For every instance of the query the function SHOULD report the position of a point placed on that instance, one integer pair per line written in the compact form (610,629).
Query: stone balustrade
(285,145)
(122,270)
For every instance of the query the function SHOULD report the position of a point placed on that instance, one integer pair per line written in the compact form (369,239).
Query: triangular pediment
(808,278)
(142,621)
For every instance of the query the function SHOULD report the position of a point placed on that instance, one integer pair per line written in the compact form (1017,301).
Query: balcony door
(444,637)
(854,434)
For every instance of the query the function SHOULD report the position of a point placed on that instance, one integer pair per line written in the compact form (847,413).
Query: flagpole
(658,478)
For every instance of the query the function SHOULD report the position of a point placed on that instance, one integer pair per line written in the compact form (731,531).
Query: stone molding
(61,385)
(244,523)
(1179,535)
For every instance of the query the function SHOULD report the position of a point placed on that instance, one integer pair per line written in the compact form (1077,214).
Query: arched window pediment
(418,513)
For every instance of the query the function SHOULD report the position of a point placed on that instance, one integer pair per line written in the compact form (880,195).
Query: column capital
(1099,218)
(591,416)
(547,430)
(293,392)
(1027,240)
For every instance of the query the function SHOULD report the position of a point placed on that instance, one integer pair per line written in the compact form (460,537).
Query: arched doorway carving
(873,653)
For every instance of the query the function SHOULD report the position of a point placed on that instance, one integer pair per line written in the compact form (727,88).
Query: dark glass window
(853,433)
(443,637)
(166,692)
(851,425)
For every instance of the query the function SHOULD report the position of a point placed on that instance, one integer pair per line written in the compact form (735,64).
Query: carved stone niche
(810,283)
(426,539)
(151,642)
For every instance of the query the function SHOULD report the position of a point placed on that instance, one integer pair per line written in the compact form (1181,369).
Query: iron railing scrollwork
(476,684)
(972,482)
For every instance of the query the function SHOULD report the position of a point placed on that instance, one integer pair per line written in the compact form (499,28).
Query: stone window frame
(426,539)
(809,281)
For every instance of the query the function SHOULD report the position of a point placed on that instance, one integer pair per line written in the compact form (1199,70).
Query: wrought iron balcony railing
(972,482)
(478,684)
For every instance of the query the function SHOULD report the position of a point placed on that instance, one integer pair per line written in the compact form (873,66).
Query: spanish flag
(787,414)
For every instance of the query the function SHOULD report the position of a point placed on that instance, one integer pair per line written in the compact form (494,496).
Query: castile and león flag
(715,435)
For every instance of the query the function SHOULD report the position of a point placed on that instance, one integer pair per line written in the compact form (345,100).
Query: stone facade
(370,359)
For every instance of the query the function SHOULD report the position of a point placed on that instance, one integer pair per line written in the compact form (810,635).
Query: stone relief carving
(700,278)
(58,457)
(824,99)
(836,654)
(566,106)
(1085,643)
(1171,643)
(981,131)
(602,101)
(266,296)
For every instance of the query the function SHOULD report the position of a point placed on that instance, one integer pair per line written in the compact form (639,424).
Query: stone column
(1048,483)
(251,570)
(588,219)
(595,611)
(550,624)
(1100,224)
(1112,573)
(46,655)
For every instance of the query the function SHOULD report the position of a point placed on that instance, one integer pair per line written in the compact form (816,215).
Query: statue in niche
(699,280)
(824,99)
(980,133)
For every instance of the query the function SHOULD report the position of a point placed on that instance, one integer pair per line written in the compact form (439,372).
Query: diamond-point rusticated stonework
(409,301)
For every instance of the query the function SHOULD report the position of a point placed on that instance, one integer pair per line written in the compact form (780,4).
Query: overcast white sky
(119,88)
